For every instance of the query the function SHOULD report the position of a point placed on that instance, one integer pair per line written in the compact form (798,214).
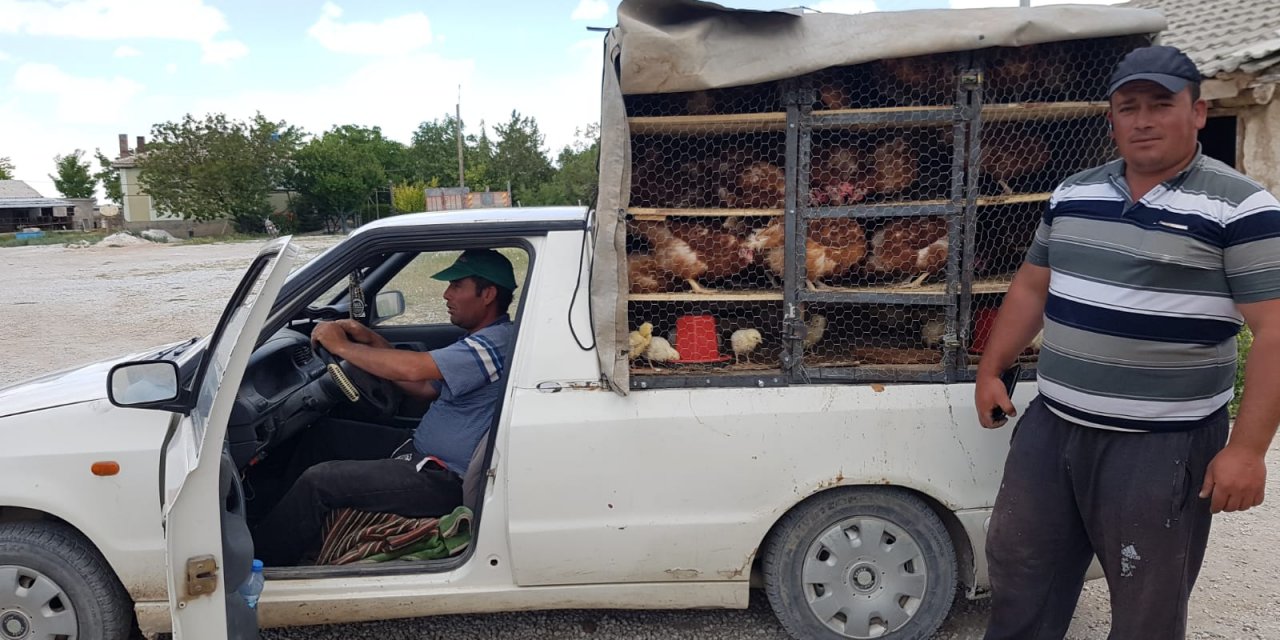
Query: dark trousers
(341,464)
(1071,492)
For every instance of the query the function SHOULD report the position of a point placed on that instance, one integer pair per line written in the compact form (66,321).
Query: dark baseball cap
(1166,66)
(481,263)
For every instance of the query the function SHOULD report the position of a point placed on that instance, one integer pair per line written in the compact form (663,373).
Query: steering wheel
(379,396)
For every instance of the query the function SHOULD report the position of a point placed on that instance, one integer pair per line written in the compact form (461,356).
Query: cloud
(396,36)
(845,6)
(77,100)
(171,68)
(590,10)
(126,51)
(4,57)
(182,20)
(223,51)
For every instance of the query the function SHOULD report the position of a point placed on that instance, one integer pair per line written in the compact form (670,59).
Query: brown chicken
(837,177)
(911,246)
(761,185)
(690,251)
(1012,153)
(647,276)
(921,80)
(895,166)
(1029,74)
(832,247)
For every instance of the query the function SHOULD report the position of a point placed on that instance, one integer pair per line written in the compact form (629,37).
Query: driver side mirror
(143,384)
(388,304)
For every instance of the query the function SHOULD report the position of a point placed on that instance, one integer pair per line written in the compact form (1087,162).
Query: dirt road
(61,307)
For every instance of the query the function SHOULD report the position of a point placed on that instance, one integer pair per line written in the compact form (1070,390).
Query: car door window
(424,296)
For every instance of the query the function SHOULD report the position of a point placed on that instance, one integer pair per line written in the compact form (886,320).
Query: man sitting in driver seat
(379,471)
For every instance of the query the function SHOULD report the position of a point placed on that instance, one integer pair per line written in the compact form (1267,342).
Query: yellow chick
(639,340)
(661,351)
(744,341)
(815,329)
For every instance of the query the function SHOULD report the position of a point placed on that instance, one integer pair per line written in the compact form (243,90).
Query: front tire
(54,583)
(858,563)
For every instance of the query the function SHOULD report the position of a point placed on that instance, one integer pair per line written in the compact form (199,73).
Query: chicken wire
(906,191)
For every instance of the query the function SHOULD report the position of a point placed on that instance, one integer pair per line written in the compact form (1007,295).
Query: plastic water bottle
(252,587)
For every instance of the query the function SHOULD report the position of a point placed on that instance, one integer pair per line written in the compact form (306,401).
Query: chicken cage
(859,223)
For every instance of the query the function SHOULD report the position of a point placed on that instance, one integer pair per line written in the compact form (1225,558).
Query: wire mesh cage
(858,223)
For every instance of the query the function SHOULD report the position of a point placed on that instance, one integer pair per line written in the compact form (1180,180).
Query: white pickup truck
(859,508)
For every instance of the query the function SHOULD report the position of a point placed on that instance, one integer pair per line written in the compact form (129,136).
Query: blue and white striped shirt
(1141,317)
(459,418)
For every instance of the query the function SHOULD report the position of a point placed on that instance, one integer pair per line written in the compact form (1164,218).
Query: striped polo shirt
(1141,320)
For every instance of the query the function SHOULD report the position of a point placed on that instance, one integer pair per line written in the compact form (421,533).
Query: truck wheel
(861,563)
(54,584)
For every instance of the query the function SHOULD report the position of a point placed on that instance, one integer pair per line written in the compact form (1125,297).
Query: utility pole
(462,176)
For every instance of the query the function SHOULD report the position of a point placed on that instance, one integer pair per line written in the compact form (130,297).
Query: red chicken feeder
(696,340)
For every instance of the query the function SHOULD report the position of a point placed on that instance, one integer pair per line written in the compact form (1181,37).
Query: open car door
(210,552)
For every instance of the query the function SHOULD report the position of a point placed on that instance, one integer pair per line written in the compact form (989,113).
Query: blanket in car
(360,536)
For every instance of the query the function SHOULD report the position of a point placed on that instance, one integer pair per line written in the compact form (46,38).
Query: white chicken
(744,341)
(660,351)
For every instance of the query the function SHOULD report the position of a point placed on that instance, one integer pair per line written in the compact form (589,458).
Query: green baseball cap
(481,263)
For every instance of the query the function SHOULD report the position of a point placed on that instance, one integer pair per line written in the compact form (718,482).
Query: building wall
(1260,143)
(138,206)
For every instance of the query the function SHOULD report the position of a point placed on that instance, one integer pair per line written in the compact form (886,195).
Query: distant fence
(452,198)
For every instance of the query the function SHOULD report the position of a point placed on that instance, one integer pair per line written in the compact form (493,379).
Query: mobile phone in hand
(1010,380)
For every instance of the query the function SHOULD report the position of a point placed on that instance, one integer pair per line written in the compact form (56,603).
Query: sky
(75,73)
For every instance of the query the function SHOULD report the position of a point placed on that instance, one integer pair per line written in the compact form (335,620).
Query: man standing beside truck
(1141,274)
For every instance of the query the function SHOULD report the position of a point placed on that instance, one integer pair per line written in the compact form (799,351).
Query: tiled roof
(17,189)
(1224,35)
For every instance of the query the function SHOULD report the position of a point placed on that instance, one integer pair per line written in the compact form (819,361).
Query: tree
(409,197)
(110,178)
(336,176)
(392,155)
(433,151)
(576,177)
(518,158)
(217,168)
(6,168)
(73,179)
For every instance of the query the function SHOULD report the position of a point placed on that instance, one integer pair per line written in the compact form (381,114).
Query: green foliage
(409,197)
(518,159)
(6,168)
(576,176)
(434,151)
(218,168)
(73,179)
(1244,341)
(110,178)
(336,175)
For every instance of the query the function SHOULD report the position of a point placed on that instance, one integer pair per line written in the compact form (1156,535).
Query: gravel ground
(61,307)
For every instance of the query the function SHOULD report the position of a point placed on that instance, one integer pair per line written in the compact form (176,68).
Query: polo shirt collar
(1116,172)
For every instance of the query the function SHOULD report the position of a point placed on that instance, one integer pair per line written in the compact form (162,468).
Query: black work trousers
(1071,493)
(339,464)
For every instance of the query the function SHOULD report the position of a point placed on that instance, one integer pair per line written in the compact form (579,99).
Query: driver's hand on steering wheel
(329,335)
(357,332)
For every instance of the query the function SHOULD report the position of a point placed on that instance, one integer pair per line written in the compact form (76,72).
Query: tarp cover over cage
(672,46)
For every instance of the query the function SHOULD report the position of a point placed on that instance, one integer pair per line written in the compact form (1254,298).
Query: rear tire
(859,563)
(54,582)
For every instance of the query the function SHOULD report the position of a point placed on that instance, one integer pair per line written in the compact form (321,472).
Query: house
(139,211)
(22,206)
(1236,45)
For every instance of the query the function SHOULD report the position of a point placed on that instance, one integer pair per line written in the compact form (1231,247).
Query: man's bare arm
(1021,317)
(1237,476)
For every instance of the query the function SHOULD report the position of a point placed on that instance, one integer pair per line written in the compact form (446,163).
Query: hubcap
(864,577)
(33,607)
